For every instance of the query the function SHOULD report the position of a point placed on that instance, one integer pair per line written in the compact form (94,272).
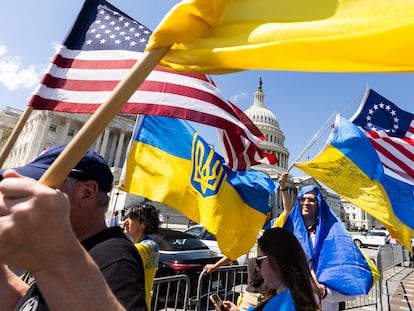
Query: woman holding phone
(286,273)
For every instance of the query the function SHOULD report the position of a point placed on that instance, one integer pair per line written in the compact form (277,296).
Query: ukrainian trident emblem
(208,173)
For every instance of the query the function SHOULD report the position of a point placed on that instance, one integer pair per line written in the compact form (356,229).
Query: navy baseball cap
(91,167)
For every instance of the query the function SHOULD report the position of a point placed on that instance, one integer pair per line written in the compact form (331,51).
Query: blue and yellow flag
(169,162)
(338,263)
(219,36)
(350,166)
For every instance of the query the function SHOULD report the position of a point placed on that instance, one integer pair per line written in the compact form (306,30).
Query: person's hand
(34,223)
(210,268)
(283,179)
(230,306)
(323,291)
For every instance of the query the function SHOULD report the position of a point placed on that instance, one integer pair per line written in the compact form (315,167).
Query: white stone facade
(47,128)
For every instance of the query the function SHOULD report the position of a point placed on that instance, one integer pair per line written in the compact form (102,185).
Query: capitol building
(46,128)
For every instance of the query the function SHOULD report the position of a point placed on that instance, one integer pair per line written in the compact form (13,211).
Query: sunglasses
(310,200)
(259,260)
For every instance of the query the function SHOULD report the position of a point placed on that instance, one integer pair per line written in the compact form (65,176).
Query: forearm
(221,262)
(77,282)
(286,200)
(66,275)
(224,261)
(12,288)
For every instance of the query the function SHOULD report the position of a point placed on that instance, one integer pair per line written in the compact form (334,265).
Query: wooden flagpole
(91,130)
(15,134)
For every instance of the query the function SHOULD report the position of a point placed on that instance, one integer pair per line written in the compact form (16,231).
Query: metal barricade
(227,281)
(171,293)
(366,302)
(230,281)
(390,259)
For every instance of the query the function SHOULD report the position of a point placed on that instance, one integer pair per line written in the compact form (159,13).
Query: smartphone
(217,302)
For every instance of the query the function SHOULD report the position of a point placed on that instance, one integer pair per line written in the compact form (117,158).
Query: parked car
(202,234)
(182,253)
(371,238)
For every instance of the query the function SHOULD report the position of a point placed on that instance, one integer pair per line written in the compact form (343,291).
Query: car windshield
(195,231)
(201,233)
(186,244)
(171,240)
(210,237)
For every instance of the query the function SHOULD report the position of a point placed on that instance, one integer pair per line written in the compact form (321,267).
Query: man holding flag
(341,270)
(42,231)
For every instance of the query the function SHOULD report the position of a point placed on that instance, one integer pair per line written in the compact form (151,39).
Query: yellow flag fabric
(169,162)
(219,36)
(350,166)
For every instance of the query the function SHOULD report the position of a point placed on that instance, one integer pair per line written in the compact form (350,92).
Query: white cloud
(12,74)
(3,50)
(238,98)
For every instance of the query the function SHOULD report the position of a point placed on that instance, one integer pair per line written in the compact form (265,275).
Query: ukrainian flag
(169,162)
(219,36)
(350,166)
(338,263)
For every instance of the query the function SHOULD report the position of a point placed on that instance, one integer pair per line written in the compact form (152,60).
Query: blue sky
(302,102)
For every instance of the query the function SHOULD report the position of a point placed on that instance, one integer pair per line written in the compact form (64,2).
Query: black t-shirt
(120,264)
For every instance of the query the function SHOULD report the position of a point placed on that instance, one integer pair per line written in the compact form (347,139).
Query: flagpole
(15,134)
(319,133)
(315,137)
(91,130)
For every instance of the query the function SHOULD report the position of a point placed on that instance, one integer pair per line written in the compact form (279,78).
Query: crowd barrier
(390,259)
(230,281)
(173,293)
(169,293)
(393,259)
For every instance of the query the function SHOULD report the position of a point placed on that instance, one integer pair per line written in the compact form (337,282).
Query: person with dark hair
(254,292)
(286,274)
(142,220)
(255,289)
(37,231)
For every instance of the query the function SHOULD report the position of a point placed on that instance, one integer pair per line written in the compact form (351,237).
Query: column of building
(63,139)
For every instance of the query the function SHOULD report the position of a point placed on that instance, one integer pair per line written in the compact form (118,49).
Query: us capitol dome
(268,124)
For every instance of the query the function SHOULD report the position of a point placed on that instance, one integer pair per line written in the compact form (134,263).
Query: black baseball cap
(92,166)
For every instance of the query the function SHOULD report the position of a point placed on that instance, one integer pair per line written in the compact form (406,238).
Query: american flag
(391,132)
(102,46)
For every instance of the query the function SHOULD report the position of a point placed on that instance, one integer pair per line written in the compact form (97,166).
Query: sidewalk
(398,290)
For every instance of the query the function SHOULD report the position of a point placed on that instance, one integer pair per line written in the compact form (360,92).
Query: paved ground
(397,293)
(401,291)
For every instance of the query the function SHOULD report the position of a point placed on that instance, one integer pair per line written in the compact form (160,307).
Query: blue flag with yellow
(338,263)
(169,162)
(351,167)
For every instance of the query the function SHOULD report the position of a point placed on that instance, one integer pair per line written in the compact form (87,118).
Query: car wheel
(358,243)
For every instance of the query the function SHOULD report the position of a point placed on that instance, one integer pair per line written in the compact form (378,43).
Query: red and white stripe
(396,154)
(252,155)
(79,81)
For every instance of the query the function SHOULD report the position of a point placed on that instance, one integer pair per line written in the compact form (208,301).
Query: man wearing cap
(87,187)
